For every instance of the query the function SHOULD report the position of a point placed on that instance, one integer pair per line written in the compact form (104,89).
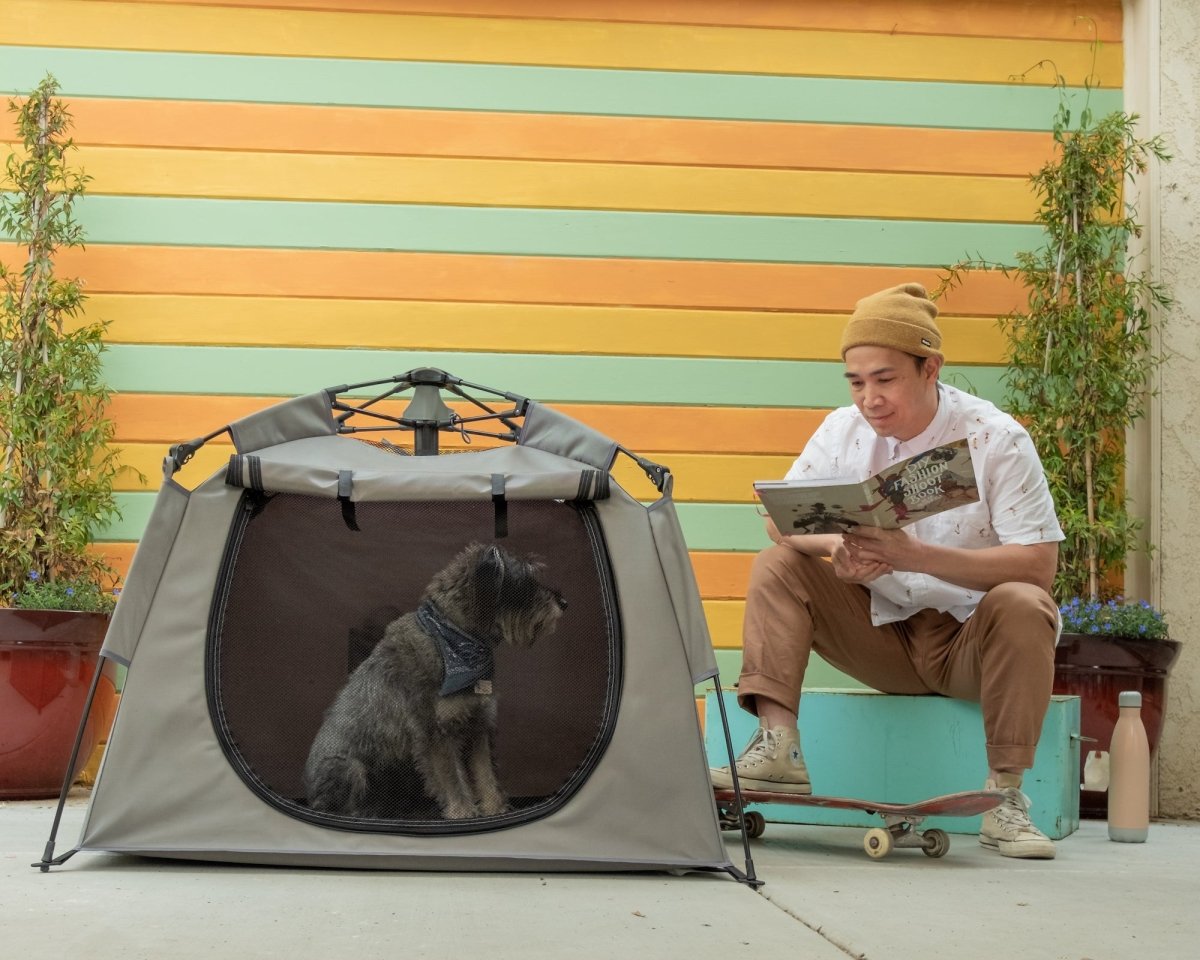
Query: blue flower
(1113,618)
(33,575)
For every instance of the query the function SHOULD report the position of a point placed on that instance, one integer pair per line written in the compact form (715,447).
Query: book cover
(907,491)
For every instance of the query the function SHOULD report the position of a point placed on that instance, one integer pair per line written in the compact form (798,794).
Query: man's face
(898,399)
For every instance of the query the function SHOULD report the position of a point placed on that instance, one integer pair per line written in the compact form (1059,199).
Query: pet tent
(255,596)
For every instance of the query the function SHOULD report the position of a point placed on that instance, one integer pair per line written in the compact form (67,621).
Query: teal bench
(861,743)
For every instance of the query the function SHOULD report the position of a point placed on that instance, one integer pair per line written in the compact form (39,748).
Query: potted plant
(1081,356)
(1106,647)
(58,468)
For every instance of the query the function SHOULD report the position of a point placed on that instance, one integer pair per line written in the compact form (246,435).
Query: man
(956,604)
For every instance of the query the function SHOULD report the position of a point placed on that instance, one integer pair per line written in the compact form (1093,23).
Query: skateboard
(901,820)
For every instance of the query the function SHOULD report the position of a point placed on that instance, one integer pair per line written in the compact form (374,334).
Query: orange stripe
(168,419)
(721,576)
(1015,18)
(507,279)
(366,131)
(118,556)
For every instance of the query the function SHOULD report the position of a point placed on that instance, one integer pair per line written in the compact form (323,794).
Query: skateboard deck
(901,820)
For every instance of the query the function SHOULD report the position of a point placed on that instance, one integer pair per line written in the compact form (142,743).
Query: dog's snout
(560,600)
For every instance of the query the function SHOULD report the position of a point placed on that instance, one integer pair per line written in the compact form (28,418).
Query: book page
(921,486)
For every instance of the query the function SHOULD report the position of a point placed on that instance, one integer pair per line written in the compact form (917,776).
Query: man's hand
(853,569)
(975,569)
(894,549)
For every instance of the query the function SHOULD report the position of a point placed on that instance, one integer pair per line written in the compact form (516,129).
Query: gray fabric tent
(253,597)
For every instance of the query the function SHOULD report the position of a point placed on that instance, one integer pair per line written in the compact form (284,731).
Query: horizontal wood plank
(999,18)
(370,275)
(383,131)
(527,89)
(532,41)
(243,175)
(525,231)
(500,327)
(165,419)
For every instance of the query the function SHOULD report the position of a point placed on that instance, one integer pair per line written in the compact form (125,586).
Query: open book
(909,490)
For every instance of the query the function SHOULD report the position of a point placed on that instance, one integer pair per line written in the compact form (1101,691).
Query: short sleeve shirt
(1014,505)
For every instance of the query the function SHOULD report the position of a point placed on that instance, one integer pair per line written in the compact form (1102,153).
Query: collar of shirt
(927,439)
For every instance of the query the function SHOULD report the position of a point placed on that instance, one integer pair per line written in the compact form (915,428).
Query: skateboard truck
(901,831)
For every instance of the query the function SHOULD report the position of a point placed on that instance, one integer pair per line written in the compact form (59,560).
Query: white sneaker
(771,761)
(1008,829)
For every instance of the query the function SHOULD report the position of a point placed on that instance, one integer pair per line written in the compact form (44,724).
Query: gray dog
(416,719)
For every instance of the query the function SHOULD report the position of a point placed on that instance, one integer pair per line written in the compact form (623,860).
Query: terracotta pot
(47,661)
(1096,669)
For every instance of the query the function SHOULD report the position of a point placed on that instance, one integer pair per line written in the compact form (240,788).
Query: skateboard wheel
(936,841)
(877,843)
(756,824)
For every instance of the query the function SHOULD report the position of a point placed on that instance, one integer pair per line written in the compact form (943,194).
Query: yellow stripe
(725,622)
(499,327)
(710,478)
(136,26)
(524,183)
(999,18)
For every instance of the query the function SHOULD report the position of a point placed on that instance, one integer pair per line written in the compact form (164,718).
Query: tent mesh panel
(302,609)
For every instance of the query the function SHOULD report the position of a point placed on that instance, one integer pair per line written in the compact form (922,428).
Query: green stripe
(135,514)
(265,371)
(818,675)
(706,526)
(533,232)
(456,86)
(722,526)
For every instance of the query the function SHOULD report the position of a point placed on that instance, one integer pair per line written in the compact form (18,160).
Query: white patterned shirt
(1014,505)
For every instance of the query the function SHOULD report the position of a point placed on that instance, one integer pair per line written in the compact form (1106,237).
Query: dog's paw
(459,810)
(493,807)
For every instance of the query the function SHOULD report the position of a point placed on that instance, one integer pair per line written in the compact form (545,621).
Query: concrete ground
(823,900)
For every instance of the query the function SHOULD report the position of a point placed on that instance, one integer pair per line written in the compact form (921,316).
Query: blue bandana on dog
(466,659)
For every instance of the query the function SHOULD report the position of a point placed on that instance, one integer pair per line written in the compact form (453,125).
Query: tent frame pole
(48,859)
(749,878)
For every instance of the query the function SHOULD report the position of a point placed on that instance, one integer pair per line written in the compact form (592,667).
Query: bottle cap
(1129,698)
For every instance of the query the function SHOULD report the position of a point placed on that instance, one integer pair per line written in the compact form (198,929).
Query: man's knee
(1023,599)
(777,563)
(1023,613)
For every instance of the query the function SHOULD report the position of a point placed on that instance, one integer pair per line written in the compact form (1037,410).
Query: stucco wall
(1179,206)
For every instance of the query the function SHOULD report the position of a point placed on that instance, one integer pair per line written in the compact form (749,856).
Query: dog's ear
(489,582)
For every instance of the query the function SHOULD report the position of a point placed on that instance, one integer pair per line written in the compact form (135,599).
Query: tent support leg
(48,859)
(748,877)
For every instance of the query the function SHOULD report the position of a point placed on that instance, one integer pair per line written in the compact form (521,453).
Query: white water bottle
(1129,767)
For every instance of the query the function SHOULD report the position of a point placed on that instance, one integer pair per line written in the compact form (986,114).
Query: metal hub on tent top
(427,414)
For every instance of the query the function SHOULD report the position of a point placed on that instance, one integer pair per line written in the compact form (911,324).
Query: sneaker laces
(760,749)
(1014,811)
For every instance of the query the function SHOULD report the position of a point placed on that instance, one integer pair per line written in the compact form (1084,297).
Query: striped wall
(654,214)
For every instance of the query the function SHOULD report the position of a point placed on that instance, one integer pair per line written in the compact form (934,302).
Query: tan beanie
(901,317)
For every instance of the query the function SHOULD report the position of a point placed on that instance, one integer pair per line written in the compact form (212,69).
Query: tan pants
(1002,657)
